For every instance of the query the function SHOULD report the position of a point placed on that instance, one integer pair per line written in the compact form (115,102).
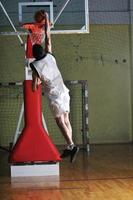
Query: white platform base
(35,170)
(35,182)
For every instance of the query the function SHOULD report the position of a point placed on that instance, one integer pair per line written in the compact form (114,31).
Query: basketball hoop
(37,37)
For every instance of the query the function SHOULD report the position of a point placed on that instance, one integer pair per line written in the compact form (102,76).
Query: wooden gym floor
(107,173)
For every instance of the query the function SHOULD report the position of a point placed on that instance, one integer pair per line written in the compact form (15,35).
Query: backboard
(67,16)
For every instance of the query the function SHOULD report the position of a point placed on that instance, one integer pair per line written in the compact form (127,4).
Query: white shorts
(60,105)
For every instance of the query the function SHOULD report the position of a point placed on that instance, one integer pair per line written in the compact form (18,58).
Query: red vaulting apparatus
(34,144)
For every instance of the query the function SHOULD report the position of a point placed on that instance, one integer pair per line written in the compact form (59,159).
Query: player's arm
(48,47)
(34,82)
(35,78)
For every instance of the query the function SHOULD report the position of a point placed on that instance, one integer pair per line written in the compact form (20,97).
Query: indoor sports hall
(66,99)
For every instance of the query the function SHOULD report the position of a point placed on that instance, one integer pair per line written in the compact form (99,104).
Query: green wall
(103,59)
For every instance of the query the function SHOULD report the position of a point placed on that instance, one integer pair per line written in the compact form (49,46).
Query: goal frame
(85,110)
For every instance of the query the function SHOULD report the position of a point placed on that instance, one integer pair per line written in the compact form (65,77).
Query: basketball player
(45,70)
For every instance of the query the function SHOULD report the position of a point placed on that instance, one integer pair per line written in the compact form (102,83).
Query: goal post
(11,100)
(85,109)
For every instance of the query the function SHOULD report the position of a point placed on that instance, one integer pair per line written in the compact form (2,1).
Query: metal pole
(20,39)
(85,115)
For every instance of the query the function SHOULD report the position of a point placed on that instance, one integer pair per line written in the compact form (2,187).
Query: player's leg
(73,148)
(65,127)
(67,123)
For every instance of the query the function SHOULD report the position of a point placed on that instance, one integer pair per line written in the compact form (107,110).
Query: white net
(37,37)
